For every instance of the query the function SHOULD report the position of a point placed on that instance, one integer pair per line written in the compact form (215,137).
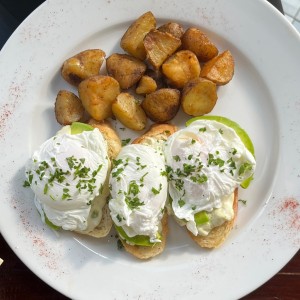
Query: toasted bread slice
(158,132)
(104,227)
(218,234)
(146,252)
(105,224)
(113,141)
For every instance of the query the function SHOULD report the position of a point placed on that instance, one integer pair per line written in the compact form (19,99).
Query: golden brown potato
(162,105)
(146,85)
(181,67)
(113,141)
(83,65)
(126,69)
(68,108)
(158,77)
(127,110)
(159,46)
(132,40)
(199,97)
(196,41)
(97,94)
(173,28)
(220,69)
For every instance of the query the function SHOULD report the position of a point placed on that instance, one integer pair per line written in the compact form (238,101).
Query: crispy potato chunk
(181,67)
(68,108)
(158,77)
(97,94)
(220,69)
(146,85)
(129,112)
(132,40)
(83,65)
(126,69)
(162,105)
(159,46)
(113,140)
(196,41)
(173,28)
(199,97)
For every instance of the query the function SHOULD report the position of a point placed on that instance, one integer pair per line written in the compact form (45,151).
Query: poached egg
(138,185)
(205,163)
(68,174)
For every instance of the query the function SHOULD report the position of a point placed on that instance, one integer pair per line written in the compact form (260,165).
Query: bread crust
(114,143)
(104,227)
(157,131)
(146,252)
(219,234)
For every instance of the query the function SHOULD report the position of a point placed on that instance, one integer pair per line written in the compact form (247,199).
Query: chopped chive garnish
(181,202)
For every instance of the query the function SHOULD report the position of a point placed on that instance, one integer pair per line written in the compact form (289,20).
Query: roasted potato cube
(199,97)
(159,46)
(158,77)
(132,40)
(113,140)
(68,108)
(129,112)
(181,67)
(97,94)
(83,65)
(126,69)
(196,41)
(220,69)
(173,28)
(146,85)
(162,105)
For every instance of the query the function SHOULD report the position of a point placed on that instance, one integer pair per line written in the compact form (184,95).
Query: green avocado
(50,224)
(78,127)
(239,131)
(201,218)
(139,240)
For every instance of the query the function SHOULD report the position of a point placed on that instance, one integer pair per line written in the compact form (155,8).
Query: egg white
(138,191)
(62,201)
(205,163)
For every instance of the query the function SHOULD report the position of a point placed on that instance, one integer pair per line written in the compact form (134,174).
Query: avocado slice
(139,240)
(50,224)
(239,131)
(201,218)
(78,127)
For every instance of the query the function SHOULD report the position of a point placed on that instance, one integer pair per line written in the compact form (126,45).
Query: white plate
(263,97)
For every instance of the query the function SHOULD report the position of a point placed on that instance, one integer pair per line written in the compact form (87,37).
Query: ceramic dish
(263,97)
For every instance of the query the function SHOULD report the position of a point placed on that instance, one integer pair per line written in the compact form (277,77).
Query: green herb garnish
(243,201)
(181,202)
(125,142)
(245,167)
(155,191)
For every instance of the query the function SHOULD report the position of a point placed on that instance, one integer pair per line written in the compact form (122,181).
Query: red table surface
(18,282)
